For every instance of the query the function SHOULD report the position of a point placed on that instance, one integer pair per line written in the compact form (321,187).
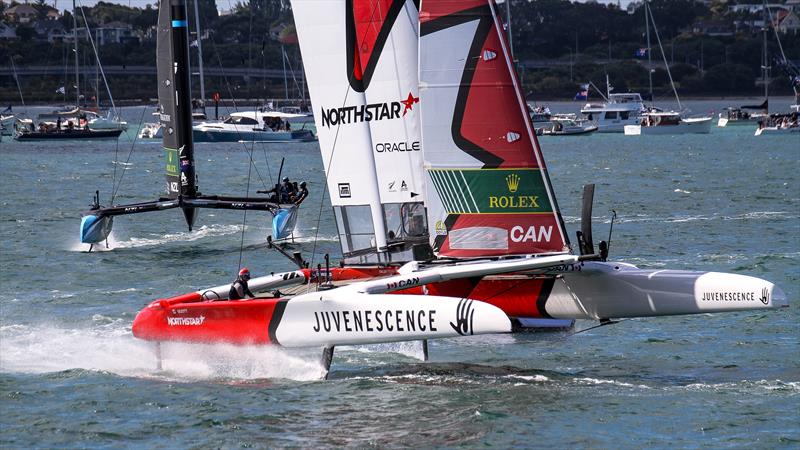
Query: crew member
(286,191)
(239,289)
(301,195)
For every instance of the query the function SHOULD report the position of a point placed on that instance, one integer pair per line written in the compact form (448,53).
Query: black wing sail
(174,95)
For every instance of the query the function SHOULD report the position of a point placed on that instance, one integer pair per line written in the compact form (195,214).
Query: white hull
(603,290)
(686,126)
(725,122)
(778,131)
(104,123)
(615,126)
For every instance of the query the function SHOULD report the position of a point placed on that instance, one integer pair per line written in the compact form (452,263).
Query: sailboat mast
(764,61)
(508,28)
(174,94)
(649,58)
(77,67)
(199,52)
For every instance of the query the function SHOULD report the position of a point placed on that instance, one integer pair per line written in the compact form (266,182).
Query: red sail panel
(369,23)
(488,189)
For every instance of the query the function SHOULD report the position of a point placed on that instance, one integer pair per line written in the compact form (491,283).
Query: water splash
(109,347)
(203,232)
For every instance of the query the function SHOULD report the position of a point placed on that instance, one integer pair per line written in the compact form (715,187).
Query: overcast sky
(221,4)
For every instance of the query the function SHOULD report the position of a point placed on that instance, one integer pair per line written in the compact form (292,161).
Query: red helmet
(245,273)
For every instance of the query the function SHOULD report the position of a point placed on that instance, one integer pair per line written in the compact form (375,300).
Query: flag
(61,90)
(8,109)
(582,95)
(194,43)
(640,53)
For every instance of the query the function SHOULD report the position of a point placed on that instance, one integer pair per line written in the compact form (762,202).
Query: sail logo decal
(532,234)
(344,190)
(735,297)
(389,320)
(192,321)
(440,228)
(512,181)
(497,191)
(765,296)
(409,103)
(346,115)
(402,284)
(464,317)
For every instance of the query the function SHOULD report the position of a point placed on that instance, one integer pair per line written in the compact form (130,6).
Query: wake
(109,347)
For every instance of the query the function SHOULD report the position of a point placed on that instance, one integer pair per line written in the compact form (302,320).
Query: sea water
(72,375)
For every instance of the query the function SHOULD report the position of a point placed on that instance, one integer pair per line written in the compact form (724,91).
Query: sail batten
(488,192)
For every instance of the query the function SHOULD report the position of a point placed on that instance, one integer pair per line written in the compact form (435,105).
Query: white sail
(340,116)
(364,87)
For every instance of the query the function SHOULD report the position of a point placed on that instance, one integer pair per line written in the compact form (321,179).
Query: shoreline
(260,102)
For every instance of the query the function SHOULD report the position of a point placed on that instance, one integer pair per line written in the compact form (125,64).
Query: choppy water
(71,374)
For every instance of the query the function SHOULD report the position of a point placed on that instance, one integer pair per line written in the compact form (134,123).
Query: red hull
(190,318)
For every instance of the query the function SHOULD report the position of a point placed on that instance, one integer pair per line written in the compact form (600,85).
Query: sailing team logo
(764,296)
(367,113)
(464,317)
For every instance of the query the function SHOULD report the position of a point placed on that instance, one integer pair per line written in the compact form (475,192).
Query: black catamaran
(174,95)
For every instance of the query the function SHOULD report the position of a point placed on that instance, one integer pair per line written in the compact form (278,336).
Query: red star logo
(409,103)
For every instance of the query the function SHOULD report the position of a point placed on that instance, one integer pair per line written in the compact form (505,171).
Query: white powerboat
(669,122)
(567,125)
(779,124)
(613,115)
(267,126)
(739,116)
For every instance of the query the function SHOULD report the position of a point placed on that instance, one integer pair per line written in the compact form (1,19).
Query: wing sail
(488,192)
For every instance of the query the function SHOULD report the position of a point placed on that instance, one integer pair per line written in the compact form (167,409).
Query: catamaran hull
(317,319)
(600,290)
(283,223)
(588,290)
(95,229)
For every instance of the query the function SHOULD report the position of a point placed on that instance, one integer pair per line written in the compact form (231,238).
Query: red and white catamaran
(441,197)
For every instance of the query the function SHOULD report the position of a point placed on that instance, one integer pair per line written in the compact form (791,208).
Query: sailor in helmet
(301,194)
(239,287)
(286,191)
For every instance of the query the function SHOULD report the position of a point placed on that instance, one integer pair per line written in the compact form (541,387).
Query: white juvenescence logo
(173,321)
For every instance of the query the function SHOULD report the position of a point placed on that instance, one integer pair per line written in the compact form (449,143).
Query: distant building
(115,33)
(787,22)
(713,28)
(7,31)
(50,30)
(23,13)
(756,8)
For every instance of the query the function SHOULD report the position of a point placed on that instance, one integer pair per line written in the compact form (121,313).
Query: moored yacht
(267,126)
(669,122)
(741,116)
(619,110)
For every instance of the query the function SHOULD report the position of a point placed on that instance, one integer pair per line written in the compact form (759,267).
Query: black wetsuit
(239,290)
(301,196)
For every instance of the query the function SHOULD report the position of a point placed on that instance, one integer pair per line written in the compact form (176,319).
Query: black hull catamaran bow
(174,94)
